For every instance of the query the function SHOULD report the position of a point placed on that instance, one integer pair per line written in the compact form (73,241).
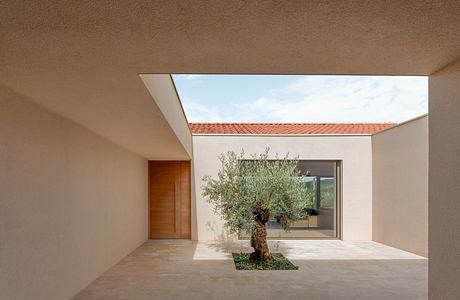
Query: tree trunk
(259,235)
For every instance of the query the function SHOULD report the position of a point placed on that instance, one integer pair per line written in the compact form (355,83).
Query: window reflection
(321,180)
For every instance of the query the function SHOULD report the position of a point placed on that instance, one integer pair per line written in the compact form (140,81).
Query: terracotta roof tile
(288,128)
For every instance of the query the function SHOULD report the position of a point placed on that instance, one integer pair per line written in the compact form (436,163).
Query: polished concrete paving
(177,269)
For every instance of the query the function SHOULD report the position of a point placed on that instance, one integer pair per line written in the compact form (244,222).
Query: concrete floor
(177,269)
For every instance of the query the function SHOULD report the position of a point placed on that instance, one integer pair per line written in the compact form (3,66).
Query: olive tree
(249,193)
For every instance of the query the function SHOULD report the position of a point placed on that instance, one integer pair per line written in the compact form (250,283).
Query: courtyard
(328,269)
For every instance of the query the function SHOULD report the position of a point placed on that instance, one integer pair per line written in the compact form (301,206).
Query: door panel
(169,199)
(185,206)
(163,210)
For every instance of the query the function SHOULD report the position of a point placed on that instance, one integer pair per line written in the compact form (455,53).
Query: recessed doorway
(169,199)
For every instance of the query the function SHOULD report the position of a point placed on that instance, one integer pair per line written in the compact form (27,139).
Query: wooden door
(169,199)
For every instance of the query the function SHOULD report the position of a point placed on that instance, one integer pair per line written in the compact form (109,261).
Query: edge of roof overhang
(164,93)
(284,135)
(403,123)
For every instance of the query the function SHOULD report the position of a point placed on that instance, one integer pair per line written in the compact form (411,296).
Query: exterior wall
(444,184)
(161,88)
(72,204)
(400,186)
(354,151)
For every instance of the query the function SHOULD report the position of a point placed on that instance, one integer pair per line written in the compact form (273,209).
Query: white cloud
(189,76)
(326,99)
(342,99)
(197,112)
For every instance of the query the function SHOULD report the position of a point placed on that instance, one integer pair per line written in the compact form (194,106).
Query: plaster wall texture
(400,186)
(161,88)
(354,152)
(90,53)
(444,183)
(72,204)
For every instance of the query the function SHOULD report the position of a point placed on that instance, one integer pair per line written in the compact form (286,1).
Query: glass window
(321,221)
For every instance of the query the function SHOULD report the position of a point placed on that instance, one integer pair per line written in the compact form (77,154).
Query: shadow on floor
(171,269)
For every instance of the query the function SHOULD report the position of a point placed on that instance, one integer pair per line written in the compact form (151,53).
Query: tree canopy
(244,185)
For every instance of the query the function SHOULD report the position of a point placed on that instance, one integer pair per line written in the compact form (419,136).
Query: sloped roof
(288,128)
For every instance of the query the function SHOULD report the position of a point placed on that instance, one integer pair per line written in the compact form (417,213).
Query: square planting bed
(279,262)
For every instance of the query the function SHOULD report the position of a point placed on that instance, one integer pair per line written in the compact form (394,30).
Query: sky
(302,98)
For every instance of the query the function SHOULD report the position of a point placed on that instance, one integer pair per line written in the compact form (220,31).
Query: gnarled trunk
(259,235)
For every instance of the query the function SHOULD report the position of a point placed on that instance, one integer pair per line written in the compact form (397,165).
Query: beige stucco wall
(161,88)
(354,151)
(400,186)
(444,184)
(72,204)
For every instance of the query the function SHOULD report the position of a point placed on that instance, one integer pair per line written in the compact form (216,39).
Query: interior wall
(353,151)
(444,183)
(72,203)
(400,186)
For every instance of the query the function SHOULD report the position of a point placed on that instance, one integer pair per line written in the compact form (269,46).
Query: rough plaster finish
(327,270)
(82,59)
(72,204)
(444,184)
(354,151)
(400,186)
(333,37)
(163,91)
